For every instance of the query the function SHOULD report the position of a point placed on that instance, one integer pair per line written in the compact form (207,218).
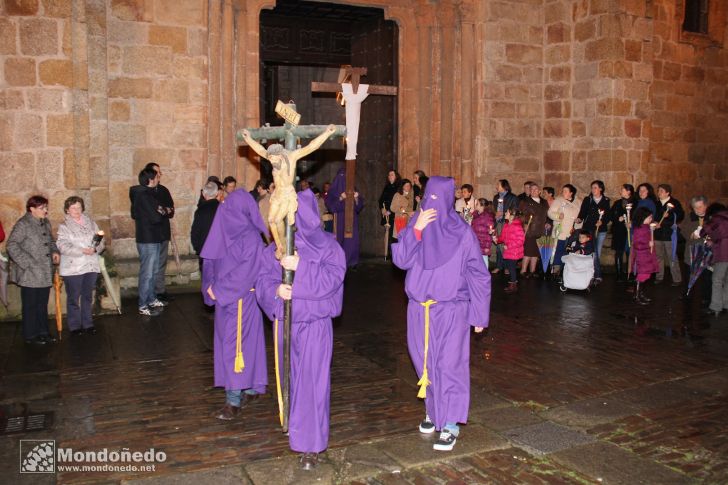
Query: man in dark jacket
(148,216)
(203,217)
(503,202)
(164,198)
(668,215)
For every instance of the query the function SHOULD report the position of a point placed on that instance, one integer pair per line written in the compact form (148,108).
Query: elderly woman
(535,212)
(33,254)
(402,206)
(79,264)
(563,212)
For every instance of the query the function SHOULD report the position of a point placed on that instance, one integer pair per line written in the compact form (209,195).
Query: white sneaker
(427,426)
(446,441)
(158,304)
(149,311)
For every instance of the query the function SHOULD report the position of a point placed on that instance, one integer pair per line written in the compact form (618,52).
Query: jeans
(601,236)
(511,267)
(233,397)
(148,267)
(719,299)
(79,301)
(35,311)
(453,428)
(161,268)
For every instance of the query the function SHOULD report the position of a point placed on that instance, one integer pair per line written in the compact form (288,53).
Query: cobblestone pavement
(567,388)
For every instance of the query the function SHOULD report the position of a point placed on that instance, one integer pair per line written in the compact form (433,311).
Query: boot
(643,295)
(638,295)
(512,287)
(620,270)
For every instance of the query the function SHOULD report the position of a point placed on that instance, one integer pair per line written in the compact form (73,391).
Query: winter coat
(510,202)
(2,233)
(717,230)
(164,198)
(688,227)
(465,209)
(676,215)
(385,200)
(570,211)
(30,247)
(538,213)
(147,218)
(619,228)
(645,260)
(513,237)
(72,239)
(578,248)
(482,224)
(649,203)
(589,213)
(201,223)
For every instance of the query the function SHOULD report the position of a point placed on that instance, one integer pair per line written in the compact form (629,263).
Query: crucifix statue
(284,202)
(353,94)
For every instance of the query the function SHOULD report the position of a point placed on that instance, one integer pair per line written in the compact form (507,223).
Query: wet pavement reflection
(548,357)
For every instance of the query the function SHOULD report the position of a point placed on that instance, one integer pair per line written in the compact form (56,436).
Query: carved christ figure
(283,201)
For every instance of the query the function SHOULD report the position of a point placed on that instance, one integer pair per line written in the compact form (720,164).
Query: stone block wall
(92,90)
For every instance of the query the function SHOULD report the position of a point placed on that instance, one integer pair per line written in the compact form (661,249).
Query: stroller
(578,271)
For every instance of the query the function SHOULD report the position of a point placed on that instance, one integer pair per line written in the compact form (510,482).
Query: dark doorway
(301,42)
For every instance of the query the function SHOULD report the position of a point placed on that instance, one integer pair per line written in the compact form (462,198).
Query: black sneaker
(77,332)
(427,426)
(446,441)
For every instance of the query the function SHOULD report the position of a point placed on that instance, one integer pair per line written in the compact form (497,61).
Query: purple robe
(233,253)
(318,290)
(456,278)
(336,207)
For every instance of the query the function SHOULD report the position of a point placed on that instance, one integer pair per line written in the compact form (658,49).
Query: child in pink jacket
(512,237)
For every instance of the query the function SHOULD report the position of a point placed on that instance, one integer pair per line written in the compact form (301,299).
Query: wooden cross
(353,75)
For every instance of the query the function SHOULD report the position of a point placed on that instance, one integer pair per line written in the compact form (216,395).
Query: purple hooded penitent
(445,266)
(232,256)
(336,207)
(318,290)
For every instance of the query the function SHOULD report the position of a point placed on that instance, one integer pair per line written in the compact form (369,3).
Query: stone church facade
(555,91)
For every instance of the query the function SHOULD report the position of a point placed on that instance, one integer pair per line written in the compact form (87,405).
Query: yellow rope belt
(424,381)
(278,372)
(239,361)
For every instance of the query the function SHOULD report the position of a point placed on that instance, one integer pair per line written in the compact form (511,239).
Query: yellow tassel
(239,362)
(278,372)
(424,380)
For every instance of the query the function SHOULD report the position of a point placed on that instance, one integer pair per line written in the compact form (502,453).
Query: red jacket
(513,237)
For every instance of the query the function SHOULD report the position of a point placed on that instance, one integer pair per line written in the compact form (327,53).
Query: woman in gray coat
(33,253)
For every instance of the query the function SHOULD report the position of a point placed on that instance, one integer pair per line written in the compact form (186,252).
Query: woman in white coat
(563,211)
(79,264)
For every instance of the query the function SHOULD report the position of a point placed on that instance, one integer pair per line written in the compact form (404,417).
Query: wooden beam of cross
(353,74)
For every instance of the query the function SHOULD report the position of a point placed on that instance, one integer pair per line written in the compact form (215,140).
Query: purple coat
(717,230)
(482,224)
(454,276)
(232,256)
(318,291)
(336,207)
(645,260)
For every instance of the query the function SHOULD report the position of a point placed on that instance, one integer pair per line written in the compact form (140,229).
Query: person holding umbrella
(716,229)
(32,254)
(79,267)
(317,295)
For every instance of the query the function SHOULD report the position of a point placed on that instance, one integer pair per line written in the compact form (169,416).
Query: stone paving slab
(361,461)
(590,412)
(415,449)
(546,437)
(712,383)
(660,395)
(230,475)
(501,419)
(286,471)
(613,465)
(498,467)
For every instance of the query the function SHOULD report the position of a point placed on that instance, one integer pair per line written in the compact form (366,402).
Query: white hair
(209,191)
